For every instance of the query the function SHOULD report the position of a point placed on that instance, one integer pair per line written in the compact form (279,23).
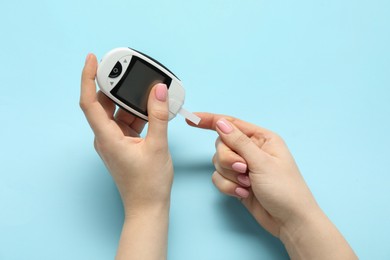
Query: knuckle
(98,145)
(160,114)
(214,159)
(225,160)
(101,147)
(95,145)
(83,105)
(217,141)
(241,140)
(224,187)
(220,183)
(259,139)
(276,136)
(214,179)
(277,139)
(225,156)
(160,149)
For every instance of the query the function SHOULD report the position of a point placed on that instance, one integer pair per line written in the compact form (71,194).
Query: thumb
(158,115)
(240,143)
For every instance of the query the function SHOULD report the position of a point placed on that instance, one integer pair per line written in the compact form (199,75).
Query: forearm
(315,237)
(145,235)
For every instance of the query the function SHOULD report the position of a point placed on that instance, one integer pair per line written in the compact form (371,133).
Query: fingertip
(244,180)
(89,55)
(90,67)
(157,102)
(161,92)
(158,114)
(238,141)
(90,59)
(190,123)
(207,120)
(239,167)
(224,126)
(241,192)
(88,87)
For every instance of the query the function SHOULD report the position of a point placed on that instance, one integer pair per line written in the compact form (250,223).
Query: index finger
(229,159)
(89,103)
(209,121)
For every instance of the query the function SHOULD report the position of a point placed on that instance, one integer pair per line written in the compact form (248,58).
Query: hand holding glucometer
(251,163)
(126,76)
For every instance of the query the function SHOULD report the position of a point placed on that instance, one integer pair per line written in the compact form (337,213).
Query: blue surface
(316,72)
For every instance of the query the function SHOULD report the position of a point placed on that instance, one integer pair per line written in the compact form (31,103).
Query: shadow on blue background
(231,219)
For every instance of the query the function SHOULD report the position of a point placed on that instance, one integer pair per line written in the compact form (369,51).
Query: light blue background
(316,72)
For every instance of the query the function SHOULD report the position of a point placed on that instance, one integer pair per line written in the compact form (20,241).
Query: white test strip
(190,116)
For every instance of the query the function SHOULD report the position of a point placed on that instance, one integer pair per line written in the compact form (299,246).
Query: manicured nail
(244,179)
(224,126)
(241,192)
(239,167)
(161,92)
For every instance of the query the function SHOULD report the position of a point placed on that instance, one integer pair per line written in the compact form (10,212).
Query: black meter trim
(120,86)
(156,61)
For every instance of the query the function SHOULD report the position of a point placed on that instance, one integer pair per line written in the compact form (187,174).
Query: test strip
(190,116)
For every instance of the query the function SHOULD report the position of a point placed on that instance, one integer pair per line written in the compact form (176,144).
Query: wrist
(147,211)
(292,231)
(296,233)
(315,237)
(144,233)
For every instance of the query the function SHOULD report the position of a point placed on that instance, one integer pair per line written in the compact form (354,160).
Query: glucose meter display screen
(134,88)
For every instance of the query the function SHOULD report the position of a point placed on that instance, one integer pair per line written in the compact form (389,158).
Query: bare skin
(141,167)
(255,165)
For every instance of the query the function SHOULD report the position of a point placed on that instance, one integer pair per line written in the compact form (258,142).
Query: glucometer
(127,76)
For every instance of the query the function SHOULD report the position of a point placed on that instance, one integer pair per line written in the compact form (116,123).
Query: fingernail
(161,92)
(224,126)
(241,192)
(239,167)
(87,58)
(244,179)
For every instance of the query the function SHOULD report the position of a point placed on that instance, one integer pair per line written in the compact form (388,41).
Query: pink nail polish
(161,92)
(241,192)
(244,180)
(239,167)
(224,126)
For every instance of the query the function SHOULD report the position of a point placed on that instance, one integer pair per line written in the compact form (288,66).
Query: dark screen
(135,86)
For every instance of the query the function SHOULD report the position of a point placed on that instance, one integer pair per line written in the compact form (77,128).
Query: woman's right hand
(255,165)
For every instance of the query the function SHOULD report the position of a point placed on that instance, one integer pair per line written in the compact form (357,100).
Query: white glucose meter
(127,76)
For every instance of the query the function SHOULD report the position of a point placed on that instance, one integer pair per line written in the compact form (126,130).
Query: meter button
(116,71)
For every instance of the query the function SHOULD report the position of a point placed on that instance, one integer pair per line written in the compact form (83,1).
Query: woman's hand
(255,165)
(141,167)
